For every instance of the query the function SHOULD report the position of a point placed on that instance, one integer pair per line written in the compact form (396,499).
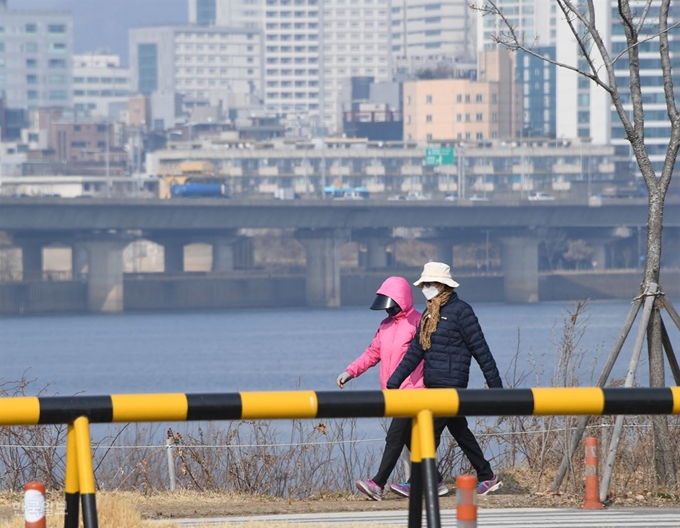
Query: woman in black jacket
(447,339)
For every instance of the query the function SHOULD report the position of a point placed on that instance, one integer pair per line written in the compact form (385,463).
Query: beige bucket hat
(436,272)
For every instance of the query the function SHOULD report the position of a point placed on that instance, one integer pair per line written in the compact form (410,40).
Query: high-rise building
(657,124)
(356,40)
(101,86)
(227,13)
(311,51)
(425,34)
(218,65)
(36,50)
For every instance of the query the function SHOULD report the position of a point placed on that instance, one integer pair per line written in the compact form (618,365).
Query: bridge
(99,229)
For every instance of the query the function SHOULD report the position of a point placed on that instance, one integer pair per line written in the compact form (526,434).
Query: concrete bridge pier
(376,242)
(322,248)
(31,258)
(173,256)
(79,260)
(230,251)
(105,275)
(519,254)
(444,249)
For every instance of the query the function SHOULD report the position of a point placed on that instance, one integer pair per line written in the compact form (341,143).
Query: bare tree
(644,22)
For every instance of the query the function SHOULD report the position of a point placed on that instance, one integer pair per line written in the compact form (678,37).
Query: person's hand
(343,378)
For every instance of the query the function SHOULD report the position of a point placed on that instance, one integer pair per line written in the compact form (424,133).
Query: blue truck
(199,190)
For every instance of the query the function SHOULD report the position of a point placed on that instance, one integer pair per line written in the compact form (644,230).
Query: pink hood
(393,337)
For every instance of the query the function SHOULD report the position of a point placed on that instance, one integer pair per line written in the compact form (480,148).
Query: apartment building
(464,109)
(227,13)
(36,50)
(426,33)
(220,65)
(101,85)
(311,50)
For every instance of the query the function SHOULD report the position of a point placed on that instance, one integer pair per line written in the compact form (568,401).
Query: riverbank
(258,289)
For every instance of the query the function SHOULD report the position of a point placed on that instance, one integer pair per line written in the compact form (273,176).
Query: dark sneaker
(404,489)
(371,489)
(486,486)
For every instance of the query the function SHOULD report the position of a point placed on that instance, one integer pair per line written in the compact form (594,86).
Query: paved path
(486,518)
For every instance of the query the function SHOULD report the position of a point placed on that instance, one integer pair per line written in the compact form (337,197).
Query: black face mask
(393,310)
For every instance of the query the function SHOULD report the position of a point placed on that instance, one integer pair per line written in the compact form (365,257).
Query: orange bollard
(34,505)
(466,501)
(592,499)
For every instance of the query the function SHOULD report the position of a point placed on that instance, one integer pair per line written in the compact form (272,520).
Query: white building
(356,40)
(220,65)
(425,34)
(101,86)
(36,50)
(232,13)
(309,45)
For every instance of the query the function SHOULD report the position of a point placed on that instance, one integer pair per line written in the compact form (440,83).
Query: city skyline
(111,20)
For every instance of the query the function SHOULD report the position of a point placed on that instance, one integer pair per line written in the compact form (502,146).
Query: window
(467,98)
(56,29)
(31,47)
(32,95)
(459,98)
(479,117)
(56,79)
(428,119)
(31,63)
(2,47)
(57,63)
(57,47)
(428,99)
(147,68)
(479,98)
(31,29)
(31,79)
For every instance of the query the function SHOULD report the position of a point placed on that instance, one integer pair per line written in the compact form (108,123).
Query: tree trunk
(664,462)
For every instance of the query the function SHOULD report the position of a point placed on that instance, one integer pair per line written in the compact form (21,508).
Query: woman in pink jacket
(388,348)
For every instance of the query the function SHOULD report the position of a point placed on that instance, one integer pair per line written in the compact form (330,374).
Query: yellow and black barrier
(346,404)
(421,405)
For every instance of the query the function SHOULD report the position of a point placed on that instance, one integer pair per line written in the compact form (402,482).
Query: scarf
(430,320)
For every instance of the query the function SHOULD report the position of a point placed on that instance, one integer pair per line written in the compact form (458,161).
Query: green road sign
(439,156)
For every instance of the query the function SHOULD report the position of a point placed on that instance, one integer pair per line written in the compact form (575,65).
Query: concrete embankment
(205,292)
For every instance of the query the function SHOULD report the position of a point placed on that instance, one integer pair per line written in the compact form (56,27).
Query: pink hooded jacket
(392,338)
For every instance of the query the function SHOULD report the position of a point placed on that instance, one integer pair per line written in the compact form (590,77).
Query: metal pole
(630,379)
(108,175)
(171,463)
(71,486)
(86,472)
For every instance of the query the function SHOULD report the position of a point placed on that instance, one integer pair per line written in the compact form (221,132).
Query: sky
(102,24)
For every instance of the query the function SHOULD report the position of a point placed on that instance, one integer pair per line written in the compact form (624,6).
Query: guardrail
(421,405)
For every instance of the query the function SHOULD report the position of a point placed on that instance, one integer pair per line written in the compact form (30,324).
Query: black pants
(398,436)
(458,427)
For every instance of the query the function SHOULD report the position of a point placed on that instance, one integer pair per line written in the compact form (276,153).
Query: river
(278,349)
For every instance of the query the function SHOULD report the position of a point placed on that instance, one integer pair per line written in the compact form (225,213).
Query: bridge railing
(420,405)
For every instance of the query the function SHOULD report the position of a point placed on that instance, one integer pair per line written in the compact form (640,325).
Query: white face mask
(430,292)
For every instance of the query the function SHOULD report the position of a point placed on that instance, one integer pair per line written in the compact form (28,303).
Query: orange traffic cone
(592,499)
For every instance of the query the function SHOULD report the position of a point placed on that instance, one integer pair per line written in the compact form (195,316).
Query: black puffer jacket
(457,339)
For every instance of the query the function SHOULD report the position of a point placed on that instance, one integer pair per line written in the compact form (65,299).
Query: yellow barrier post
(429,467)
(415,498)
(71,488)
(85,472)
